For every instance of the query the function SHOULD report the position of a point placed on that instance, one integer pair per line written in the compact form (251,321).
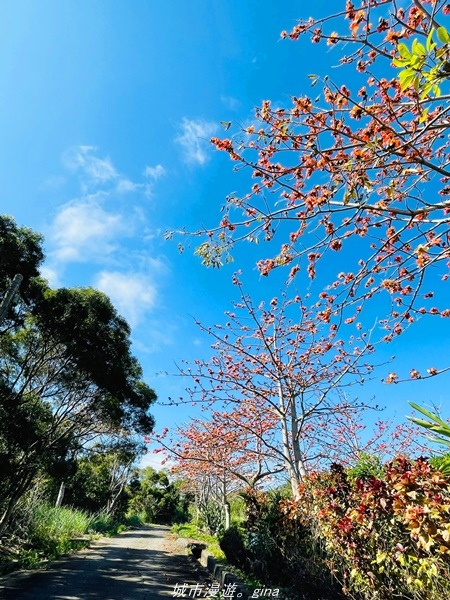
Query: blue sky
(106,109)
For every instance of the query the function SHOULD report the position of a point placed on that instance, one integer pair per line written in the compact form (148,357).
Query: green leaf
(418,48)
(438,440)
(421,422)
(401,62)
(441,430)
(428,414)
(423,116)
(406,78)
(443,35)
(427,88)
(430,45)
(403,51)
(416,62)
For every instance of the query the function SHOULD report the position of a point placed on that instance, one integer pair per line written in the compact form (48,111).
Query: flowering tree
(360,168)
(291,368)
(224,453)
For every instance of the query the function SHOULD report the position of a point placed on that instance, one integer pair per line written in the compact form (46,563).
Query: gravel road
(140,564)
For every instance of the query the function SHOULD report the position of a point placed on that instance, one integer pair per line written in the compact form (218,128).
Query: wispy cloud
(102,230)
(133,294)
(155,172)
(51,275)
(98,170)
(125,186)
(156,334)
(83,230)
(194,138)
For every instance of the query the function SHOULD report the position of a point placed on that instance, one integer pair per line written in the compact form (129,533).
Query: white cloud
(156,461)
(98,228)
(156,334)
(83,230)
(125,186)
(51,275)
(154,172)
(194,139)
(97,170)
(100,173)
(133,294)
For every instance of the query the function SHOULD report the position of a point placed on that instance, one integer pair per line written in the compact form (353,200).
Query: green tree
(67,375)
(95,340)
(101,476)
(154,495)
(20,252)
(29,444)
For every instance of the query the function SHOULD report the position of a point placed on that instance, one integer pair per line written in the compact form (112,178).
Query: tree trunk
(59,499)
(227,514)
(289,463)
(298,458)
(225,503)
(13,500)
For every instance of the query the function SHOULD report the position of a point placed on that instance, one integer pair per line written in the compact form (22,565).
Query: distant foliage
(156,498)
(366,467)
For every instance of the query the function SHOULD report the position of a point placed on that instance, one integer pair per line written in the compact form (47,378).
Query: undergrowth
(190,530)
(52,531)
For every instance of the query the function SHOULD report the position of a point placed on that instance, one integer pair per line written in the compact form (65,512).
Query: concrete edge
(223,576)
(217,570)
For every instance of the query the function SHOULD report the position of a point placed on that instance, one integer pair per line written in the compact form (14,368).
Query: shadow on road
(130,566)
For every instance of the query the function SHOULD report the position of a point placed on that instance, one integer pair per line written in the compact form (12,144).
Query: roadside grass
(50,532)
(53,531)
(104,524)
(190,530)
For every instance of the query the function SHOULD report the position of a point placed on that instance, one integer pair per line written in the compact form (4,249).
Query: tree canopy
(352,181)
(67,374)
(349,196)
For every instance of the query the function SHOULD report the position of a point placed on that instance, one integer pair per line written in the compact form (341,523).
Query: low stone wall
(226,579)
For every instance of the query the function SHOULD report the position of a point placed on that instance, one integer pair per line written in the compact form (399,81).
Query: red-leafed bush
(384,537)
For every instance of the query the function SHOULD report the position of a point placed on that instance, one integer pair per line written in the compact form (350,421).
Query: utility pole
(9,296)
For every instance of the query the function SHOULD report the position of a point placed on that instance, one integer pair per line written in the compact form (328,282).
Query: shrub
(53,531)
(441,463)
(58,522)
(383,538)
(282,550)
(232,544)
(367,466)
(102,522)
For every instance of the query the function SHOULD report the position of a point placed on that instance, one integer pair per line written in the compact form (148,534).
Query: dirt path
(142,564)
